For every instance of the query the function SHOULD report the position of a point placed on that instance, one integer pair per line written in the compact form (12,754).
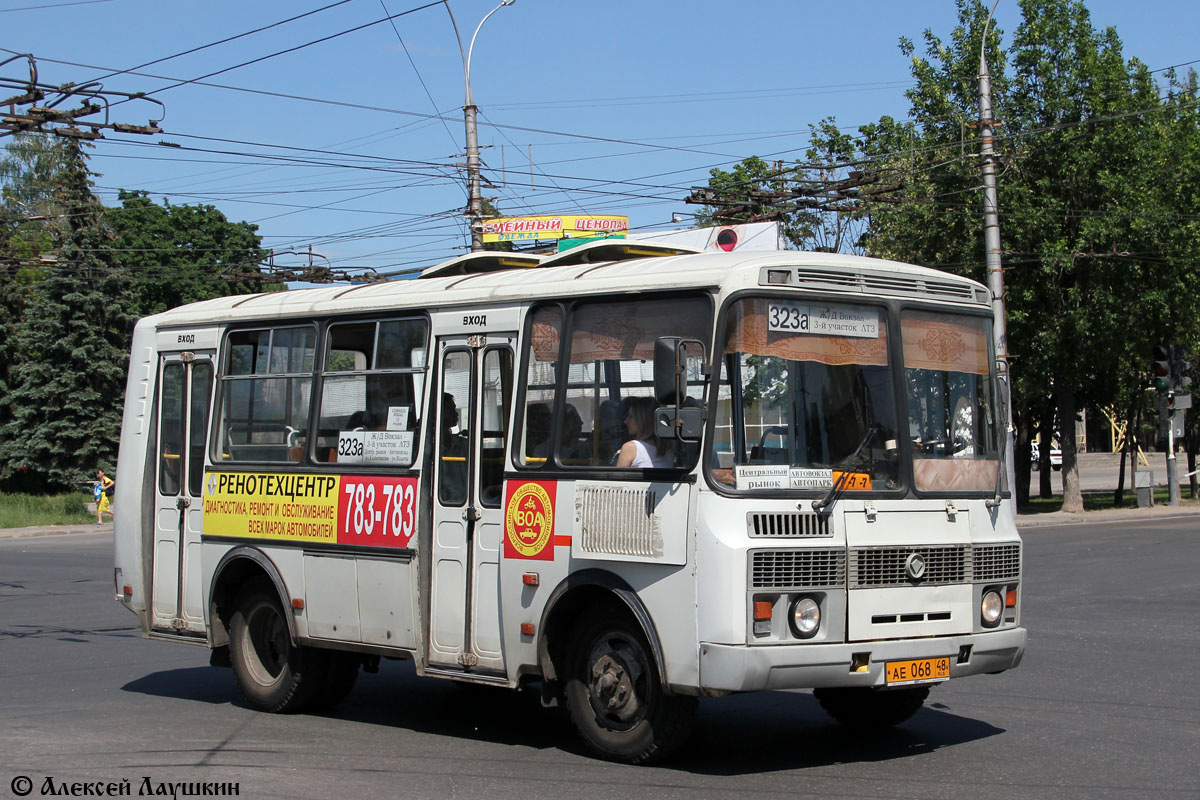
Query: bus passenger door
(184,399)
(475,384)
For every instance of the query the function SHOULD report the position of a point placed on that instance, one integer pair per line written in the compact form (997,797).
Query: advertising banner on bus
(369,511)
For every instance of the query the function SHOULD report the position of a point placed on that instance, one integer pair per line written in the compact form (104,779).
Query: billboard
(555,226)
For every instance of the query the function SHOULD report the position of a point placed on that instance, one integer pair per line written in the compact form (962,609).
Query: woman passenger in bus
(644,449)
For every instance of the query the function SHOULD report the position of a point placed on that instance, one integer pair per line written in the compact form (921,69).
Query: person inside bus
(363,421)
(452,482)
(572,449)
(537,430)
(610,422)
(644,449)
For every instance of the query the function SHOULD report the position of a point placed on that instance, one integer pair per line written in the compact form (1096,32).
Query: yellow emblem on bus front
(529,520)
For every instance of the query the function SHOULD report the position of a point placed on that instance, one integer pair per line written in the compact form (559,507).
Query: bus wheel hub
(612,689)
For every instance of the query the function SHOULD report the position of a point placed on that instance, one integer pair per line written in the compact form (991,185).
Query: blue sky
(623,105)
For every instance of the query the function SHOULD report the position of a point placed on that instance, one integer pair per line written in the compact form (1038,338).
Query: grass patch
(27,510)
(1103,501)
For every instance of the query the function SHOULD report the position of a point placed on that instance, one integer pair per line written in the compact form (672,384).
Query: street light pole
(991,239)
(475,204)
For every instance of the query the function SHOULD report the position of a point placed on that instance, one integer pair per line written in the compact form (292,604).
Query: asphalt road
(1105,705)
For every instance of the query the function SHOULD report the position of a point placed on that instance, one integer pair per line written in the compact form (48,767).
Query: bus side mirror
(668,375)
(675,418)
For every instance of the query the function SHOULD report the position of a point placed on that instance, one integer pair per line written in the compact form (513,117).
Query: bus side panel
(132,523)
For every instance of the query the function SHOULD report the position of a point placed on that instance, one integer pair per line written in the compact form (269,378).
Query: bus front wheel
(866,709)
(273,674)
(614,695)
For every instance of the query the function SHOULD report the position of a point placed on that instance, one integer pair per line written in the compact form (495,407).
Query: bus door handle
(183,502)
(472,514)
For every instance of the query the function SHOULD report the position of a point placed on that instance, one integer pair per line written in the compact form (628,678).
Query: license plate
(922,670)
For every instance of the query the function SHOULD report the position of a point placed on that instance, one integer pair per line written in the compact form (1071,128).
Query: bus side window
(266,390)
(372,380)
(541,378)
(496,403)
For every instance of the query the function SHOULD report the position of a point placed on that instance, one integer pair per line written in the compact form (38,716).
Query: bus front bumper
(739,668)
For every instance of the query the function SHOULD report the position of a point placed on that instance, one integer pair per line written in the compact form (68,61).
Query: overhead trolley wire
(226,40)
(287,50)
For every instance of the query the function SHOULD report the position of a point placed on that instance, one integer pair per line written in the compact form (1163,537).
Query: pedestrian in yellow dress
(100,491)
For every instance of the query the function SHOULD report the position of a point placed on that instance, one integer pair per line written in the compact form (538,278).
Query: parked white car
(1055,456)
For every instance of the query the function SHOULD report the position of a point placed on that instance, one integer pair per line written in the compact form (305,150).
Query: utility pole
(475,201)
(991,238)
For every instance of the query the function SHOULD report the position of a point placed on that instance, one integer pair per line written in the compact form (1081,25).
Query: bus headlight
(804,617)
(991,607)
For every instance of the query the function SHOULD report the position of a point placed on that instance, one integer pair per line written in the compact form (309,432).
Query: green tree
(30,166)
(68,387)
(179,254)
(28,217)
(1100,214)
(1093,166)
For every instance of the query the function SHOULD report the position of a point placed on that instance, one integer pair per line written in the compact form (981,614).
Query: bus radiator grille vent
(999,562)
(614,520)
(788,526)
(885,566)
(886,284)
(797,569)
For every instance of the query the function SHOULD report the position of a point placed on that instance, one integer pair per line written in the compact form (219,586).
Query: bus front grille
(998,562)
(885,566)
(797,569)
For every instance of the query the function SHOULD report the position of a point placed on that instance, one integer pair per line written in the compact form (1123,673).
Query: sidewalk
(54,530)
(1109,515)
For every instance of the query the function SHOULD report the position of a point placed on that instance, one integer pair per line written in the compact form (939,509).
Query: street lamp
(475,208)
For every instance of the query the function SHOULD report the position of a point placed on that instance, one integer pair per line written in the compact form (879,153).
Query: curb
(1055,518)
(53,530)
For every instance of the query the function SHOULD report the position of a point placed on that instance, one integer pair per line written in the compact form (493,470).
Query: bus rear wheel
(871,709)
(615,697)
(273,674)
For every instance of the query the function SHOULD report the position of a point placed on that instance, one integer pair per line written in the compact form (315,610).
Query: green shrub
(27,510)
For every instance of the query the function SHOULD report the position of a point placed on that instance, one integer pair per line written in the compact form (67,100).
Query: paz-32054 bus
(431,469)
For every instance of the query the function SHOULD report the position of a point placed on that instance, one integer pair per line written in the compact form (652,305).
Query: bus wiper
(839,485)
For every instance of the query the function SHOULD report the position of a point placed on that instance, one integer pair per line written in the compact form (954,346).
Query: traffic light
(1161,367)
(1180,367)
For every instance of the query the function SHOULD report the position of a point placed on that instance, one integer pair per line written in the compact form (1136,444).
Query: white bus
(429,469)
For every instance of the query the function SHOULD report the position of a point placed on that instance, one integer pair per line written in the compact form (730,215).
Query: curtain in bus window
(937,341)
(627,330)
(752,334)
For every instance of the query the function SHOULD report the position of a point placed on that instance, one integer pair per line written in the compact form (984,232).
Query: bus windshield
(807,396)
(952,412)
